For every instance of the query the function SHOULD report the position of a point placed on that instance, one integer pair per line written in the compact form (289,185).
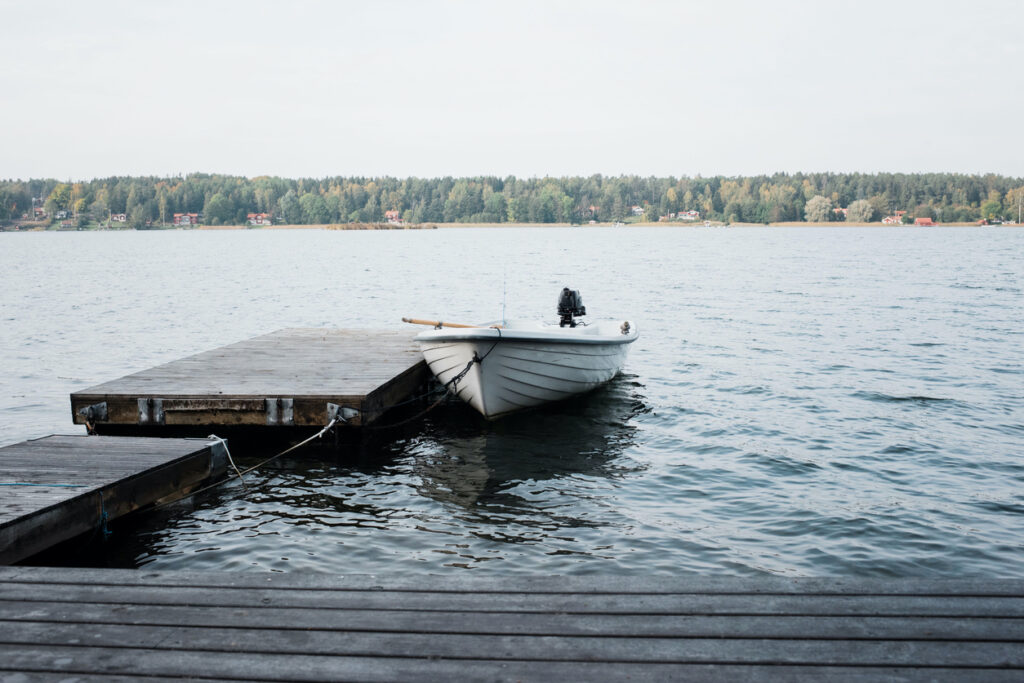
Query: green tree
(495,209)
(162,205)
(59,199)
(568,213)
(879,205)
(98,210)
(992,210)
(137,217)
(817,209)
(371,213)
(515,210)
(1014,203)
(314,209)
(219,210)
(925,211)
(860,211)
(289,209)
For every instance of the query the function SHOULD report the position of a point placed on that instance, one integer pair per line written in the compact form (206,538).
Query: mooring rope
(224,443)
(250,469)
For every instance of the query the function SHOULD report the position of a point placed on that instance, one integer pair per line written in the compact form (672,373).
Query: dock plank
(368,370)
(678,603)
(995,629)
(541,648)
(222,666)
(92,622)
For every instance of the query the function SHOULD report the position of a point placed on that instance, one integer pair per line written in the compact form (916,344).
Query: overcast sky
(524,88)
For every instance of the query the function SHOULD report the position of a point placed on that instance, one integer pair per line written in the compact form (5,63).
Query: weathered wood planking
(57,487)
(89,622)
(240,384)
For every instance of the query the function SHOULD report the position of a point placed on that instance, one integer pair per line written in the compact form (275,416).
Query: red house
(186,219)
(924,221)
(394,217)
(258,218)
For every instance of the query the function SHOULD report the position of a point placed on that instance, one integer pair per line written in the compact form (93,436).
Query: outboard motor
(570,304)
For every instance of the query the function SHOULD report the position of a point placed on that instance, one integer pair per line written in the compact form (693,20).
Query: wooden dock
(268,627)
(290,378)
(55,488)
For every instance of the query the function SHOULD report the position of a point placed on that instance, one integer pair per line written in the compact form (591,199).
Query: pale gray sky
(526,88)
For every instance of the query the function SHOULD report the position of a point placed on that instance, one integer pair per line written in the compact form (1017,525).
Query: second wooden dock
(57,487)
(290,378)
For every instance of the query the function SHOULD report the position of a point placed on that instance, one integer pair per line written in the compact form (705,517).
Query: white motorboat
(502,368)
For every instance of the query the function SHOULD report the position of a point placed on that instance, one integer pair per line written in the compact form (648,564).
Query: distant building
(688,215)
(186,219)
(895,219)
(394,217)
(258,218)
(62,214)
(39,212)
(637,210)
(924,221)
(842,212)
(119,218)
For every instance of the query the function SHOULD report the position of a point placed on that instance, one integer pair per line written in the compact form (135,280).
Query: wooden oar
(438,323)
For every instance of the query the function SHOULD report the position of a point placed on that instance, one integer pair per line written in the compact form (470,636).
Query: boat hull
(499,372)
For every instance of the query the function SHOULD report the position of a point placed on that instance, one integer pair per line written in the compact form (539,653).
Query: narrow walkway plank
(228,666)
(952,606)
(994,629)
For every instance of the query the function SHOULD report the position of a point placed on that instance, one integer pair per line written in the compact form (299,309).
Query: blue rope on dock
(103,520)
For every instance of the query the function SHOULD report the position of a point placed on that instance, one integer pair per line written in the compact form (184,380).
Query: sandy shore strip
(667,225)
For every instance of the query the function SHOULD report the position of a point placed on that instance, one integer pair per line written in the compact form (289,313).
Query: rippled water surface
(812,401)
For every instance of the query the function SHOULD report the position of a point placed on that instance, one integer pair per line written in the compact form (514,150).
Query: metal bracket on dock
(280,411)
(95,412)
(151,411)
(218,455)
(340,413)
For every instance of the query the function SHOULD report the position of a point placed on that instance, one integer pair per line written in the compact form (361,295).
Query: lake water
(801,401)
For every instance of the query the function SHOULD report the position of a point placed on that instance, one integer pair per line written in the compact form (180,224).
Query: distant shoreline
(434,226)
(666,225)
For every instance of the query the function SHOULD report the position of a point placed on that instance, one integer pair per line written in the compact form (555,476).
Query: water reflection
(478,465)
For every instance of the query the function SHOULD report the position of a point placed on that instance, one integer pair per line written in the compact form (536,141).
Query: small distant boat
(504,368)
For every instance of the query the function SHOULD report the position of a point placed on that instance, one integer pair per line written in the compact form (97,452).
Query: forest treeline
(226,200)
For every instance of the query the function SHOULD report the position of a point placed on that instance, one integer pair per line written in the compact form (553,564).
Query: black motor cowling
(570,304)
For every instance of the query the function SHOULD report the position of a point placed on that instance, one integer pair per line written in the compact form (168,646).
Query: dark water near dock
(804,401)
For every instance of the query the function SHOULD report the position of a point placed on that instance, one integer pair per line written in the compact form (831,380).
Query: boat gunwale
(491,334)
